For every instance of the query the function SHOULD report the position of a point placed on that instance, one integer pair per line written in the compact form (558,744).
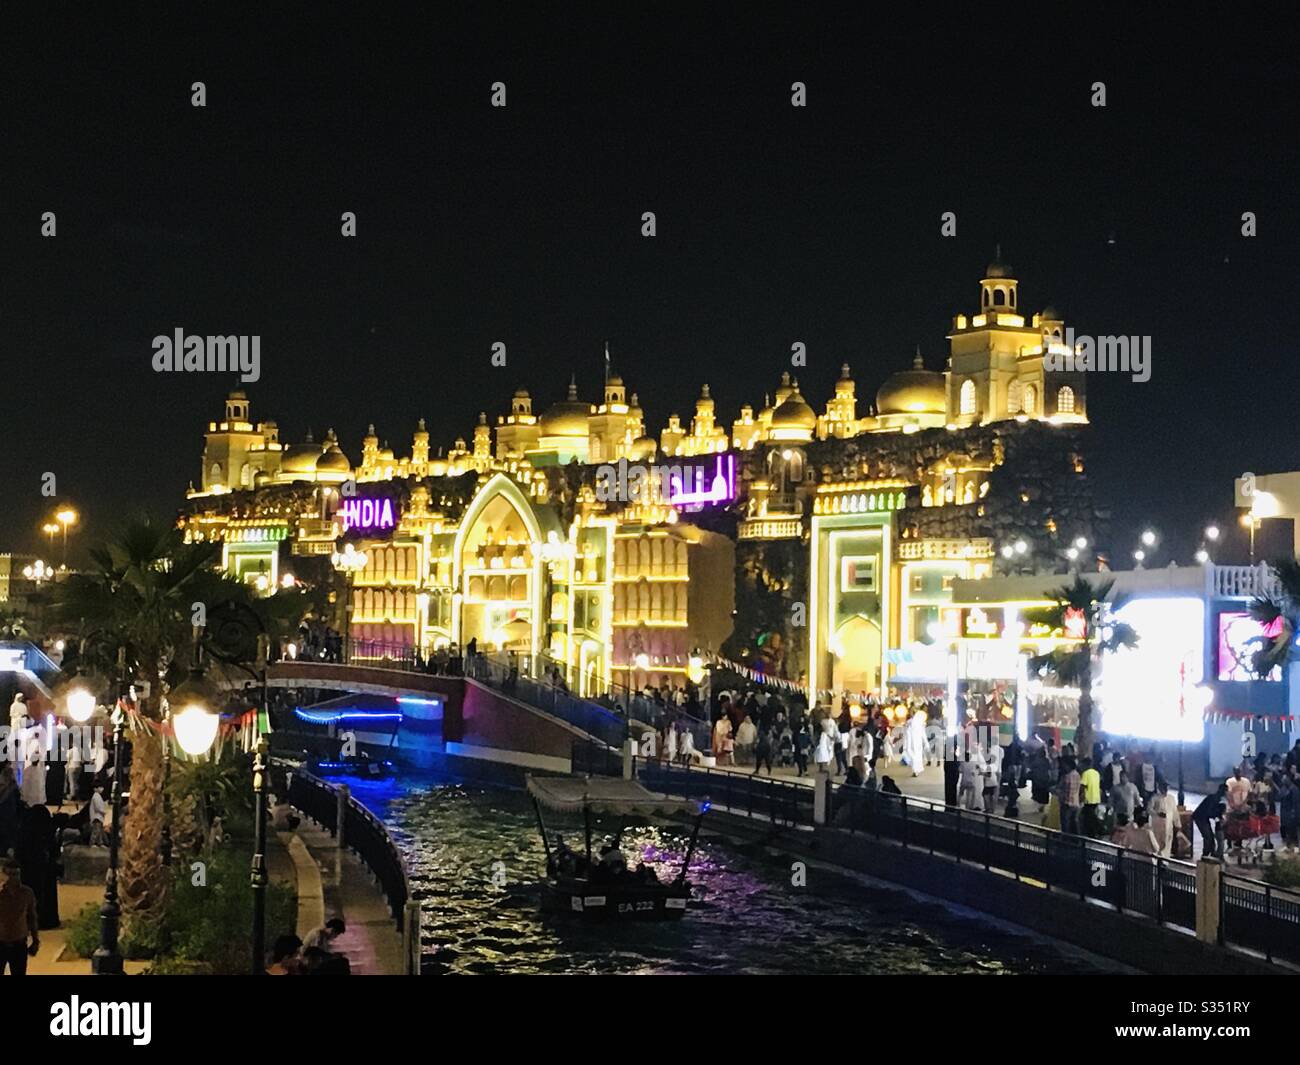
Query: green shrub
(1283,872)
(83,930)
(207,926)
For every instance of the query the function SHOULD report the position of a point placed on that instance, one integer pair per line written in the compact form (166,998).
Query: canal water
(475,858)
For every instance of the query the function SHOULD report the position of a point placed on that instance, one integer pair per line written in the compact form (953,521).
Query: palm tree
(139,597)
(1279,614)
(1081,607)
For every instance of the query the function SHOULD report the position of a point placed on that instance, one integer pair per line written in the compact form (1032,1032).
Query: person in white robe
(914,742)
(33,785)
(1164,818)
(689,753)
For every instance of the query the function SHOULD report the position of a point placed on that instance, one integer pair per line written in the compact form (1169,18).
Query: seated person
(612,862)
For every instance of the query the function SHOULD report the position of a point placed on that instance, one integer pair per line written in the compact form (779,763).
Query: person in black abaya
(38,851)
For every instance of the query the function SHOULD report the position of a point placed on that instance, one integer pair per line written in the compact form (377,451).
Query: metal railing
(1163,889)
(362,831)
(1255,916)
(778,801)
(516,675)
(1261,917)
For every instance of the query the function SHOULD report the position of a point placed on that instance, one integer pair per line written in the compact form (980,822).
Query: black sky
(522,225)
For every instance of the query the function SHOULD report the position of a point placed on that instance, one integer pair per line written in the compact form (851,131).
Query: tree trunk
(144,882)
(1083,734)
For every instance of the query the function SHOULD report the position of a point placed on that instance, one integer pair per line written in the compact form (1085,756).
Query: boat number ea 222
(635,907)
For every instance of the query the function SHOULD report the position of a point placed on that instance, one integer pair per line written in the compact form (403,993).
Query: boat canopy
(604,795)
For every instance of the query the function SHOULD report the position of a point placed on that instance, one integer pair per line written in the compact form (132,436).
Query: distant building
(829,536)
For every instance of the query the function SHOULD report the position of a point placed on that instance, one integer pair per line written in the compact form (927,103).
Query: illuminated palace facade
(824,543)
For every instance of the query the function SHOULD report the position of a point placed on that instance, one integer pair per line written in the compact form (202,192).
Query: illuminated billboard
(1240,636)
(1154,690)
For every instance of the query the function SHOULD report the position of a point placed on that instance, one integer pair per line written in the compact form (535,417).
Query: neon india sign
(369,514)
(692,486)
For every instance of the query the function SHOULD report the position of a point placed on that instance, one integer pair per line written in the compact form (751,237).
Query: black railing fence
(741,793)
(1261,917)
(364,833)
(1254,915)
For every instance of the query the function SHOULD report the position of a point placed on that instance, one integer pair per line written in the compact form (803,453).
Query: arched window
(1065,400)
(215,476)
(1013,299)
(246,475)
(967,397)
(986,297)
(1031,399)
(999,297)
(1013,398)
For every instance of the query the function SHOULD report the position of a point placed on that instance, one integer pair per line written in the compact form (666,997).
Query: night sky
(522,225)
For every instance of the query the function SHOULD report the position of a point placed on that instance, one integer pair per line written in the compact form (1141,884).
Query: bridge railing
(1256,916)
(779,801)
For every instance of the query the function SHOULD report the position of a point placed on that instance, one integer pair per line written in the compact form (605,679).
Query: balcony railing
(1241,582)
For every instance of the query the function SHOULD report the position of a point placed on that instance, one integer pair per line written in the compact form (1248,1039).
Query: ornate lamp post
(107,959)
(349,561)
(38,572)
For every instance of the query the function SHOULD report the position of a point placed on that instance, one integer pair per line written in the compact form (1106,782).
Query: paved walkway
(341,886)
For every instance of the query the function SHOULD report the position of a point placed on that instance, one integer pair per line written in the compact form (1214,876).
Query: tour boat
(592,890)
(359,765)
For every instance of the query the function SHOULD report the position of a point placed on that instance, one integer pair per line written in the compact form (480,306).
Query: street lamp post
(66,517)
(349,561)
(259,878)
(107,959)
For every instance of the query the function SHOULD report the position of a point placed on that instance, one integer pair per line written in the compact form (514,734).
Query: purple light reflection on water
(475,860)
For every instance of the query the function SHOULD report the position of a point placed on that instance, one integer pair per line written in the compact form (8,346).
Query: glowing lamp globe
(695,669)
(81,704)
(196,728)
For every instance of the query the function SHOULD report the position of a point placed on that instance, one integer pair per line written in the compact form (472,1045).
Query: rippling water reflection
(475,857)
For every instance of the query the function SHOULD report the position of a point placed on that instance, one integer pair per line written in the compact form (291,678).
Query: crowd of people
(1120,795)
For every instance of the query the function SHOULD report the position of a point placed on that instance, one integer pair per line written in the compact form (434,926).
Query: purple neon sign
(366,514)
(697,486)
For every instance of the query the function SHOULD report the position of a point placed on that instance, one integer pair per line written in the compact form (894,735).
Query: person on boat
(612,863)
(563,861)
(646,873)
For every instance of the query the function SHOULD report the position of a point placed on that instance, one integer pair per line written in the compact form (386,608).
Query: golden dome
(301,458)
(914,391)
(568,417)
(794,413)
(333,461)
(643,447)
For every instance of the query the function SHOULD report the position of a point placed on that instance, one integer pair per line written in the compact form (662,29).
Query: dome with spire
(914,391)
(794,414)
(332,460)
(997,268)
(301,458)
(568,417)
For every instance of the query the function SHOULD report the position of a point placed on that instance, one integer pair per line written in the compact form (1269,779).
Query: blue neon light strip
(415,701)
(318,718)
